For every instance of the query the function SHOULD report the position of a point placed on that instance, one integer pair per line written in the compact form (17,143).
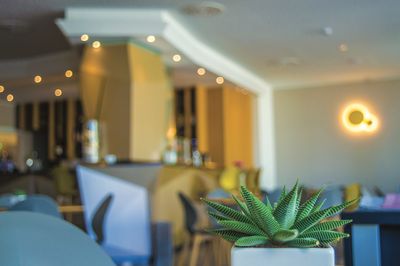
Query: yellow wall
(225,125)
(202,119)
(215,118)
(131,86)
(238,125)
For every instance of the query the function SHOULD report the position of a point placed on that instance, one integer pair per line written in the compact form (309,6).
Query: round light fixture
(1,89)
(220,80)
(37,79)
(176,58)
(151,38)
(69,73)
(10,97)
(343,48)
(84,37)
(58,92)
(201,71)
(357,118)
(96,44)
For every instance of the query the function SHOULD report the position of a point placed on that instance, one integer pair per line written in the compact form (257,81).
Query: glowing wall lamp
(357,118)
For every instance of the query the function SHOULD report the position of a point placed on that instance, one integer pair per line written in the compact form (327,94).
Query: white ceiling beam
(207,57)
(111,22)
(118,22)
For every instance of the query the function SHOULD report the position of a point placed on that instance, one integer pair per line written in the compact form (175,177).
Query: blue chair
(162,250)
(34,239)
(273,195)
(162,247)
(117,215)
(8,200)
(332,195)
(38,203)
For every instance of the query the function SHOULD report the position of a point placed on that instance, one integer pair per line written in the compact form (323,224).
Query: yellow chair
(253,180)
(352,191)
(229,179)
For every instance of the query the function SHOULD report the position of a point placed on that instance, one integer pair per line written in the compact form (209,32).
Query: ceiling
(280,41)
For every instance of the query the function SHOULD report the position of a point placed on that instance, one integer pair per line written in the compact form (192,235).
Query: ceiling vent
(203,9)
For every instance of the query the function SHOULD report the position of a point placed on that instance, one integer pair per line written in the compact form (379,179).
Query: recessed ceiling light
(84,37)
(58,92)
(176,58)
(343,47)
(10,97)
(205,9)
(69,73)
(151,38)
(1,88)
(37,79)
(201,71)
(96,44)
(220,80)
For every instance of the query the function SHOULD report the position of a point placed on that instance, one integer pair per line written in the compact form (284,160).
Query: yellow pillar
(126,87)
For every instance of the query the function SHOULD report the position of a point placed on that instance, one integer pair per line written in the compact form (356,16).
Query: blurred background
(154,104)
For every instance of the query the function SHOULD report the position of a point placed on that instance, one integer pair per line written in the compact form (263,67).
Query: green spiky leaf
(241,205)
(283,236)
(307,207)
(228,235)
(228,212)
(262,216)
(286,210)
(304,243)
(339,208)
(241,227)
(282,195)
(268,203)
(310,221)
(251,241)
(217,216)
(329,225)
(299,196)
(325,237)
(318,207)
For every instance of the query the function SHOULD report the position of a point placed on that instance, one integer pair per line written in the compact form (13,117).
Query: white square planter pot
(283,256)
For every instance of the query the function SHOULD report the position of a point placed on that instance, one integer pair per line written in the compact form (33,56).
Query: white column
(264,145)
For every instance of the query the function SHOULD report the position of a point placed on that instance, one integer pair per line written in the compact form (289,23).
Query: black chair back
(189,212)
(99,217)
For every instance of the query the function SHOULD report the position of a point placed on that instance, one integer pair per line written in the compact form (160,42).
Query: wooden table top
(63,209)
(71,208)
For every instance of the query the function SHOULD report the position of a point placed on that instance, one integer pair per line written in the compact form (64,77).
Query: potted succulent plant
(283,234)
